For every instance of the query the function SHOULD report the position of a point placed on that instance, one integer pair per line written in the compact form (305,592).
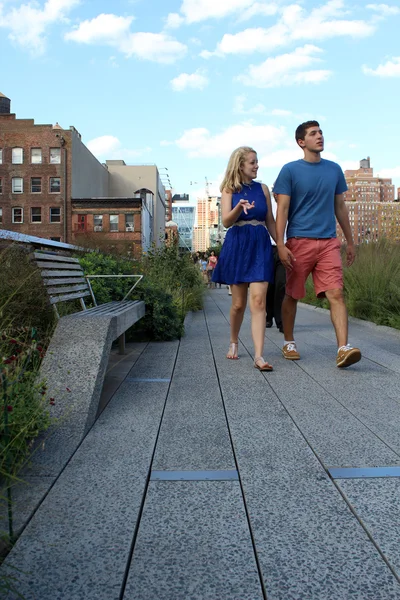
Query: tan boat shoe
(289,351)
(347,356)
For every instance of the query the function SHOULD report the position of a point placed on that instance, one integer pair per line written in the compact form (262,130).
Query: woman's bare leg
(258,295)
(239,302)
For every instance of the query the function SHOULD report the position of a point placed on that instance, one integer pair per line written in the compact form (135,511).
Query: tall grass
(371,284)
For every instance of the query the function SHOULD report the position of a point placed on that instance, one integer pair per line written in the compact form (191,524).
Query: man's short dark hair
(302,129)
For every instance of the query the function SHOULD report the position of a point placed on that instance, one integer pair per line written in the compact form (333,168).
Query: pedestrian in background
(276,290)
(246,260)
(211,264)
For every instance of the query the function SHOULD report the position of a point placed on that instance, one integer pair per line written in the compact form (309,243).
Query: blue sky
(181,83)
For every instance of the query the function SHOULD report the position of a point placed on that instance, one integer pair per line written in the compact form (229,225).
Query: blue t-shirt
(312,188)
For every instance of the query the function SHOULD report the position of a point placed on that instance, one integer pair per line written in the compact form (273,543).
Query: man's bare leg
(339,317)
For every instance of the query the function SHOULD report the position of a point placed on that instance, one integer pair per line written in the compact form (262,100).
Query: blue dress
(246,254)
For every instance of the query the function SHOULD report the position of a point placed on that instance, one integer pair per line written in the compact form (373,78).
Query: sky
(182,83)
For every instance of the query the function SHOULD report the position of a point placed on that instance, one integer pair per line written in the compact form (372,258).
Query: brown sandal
(262,365)
(233,351)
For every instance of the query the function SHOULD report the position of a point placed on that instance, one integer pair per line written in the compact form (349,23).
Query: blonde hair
(232,181)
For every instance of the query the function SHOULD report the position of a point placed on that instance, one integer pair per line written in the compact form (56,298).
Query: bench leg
(121,344)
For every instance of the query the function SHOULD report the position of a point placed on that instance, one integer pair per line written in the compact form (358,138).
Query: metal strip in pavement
(363,472)
(225,475)
(135,379)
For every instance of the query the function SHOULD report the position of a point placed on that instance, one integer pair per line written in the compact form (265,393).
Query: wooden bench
(65,280)
(76,360)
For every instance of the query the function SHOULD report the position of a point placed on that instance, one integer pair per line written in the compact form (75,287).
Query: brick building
(52,186)
(207,219)
(364,187)
(41,168)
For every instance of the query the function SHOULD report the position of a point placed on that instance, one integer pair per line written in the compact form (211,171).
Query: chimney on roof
(5,105)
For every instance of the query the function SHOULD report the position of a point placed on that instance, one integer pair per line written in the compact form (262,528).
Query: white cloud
(173,21)
(294,25)
(195,11)
(384,10)
(28,24)
(112,30)
(259,8)
(392,173)
(286,69)
(103,29)
(109,147)
(390,69)
(278,158)
(199,142)
(196,81)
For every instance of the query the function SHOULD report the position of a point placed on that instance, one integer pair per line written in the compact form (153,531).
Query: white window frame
(19,159)
(129,226)
(55,160)
(50,180)
(98,226)
(1,156)
(1,215)
(114,230)
(36,161)
(51,217)
(13,185)
(36,208)
(14,208)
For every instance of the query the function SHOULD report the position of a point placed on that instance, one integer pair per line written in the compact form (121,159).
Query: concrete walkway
(257,512)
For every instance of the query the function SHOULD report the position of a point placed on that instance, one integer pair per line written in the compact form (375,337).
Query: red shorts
(321,257)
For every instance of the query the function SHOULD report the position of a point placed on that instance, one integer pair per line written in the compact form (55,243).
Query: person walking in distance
(276,290)
(246,262)
(310,196)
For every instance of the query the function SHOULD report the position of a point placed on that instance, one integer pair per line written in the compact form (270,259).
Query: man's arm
(282,212)
(342,216)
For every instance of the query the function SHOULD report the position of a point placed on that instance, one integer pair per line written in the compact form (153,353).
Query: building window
(1,216)
(55,185)
(129,223)
(17,156)
(98,222)
(55,156)
(55,215)
(36,185)
(36,215)
(17,185)
(1,157)
(113,222)
(36,156)
(56,239)
(17,215)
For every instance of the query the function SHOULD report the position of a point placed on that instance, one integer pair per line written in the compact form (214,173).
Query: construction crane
(208,189)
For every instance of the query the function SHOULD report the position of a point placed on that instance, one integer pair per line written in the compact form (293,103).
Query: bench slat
(55,299)
(64,289)
(54,273)
(64,280)
(55,265)
(55,257)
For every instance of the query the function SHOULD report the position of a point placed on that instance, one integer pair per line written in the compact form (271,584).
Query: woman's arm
(230,215)
(270,221)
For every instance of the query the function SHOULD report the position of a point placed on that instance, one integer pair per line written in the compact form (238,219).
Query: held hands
(245,205)
(286,256)
(350,254)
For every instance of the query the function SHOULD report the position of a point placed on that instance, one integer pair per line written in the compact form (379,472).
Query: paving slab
(309,543)
(376,503)
(193,543)
(194,433)
(77,544)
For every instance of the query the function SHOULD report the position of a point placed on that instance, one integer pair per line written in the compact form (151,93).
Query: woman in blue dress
(246,261)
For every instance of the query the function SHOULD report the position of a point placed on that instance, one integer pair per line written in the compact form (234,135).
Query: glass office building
(184,217)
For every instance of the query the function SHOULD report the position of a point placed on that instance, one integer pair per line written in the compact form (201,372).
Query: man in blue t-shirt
(310,199)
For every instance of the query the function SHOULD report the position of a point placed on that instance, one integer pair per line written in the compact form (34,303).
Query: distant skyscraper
(184,216)
(363,186)
(207,222)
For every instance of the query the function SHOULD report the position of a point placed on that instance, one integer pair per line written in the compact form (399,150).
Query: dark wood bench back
(63,277)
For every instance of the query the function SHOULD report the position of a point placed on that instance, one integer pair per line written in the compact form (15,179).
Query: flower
(68,389)
(12,341)
(9,408)
(52,402)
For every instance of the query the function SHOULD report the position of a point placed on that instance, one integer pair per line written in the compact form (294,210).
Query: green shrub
(171,287)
